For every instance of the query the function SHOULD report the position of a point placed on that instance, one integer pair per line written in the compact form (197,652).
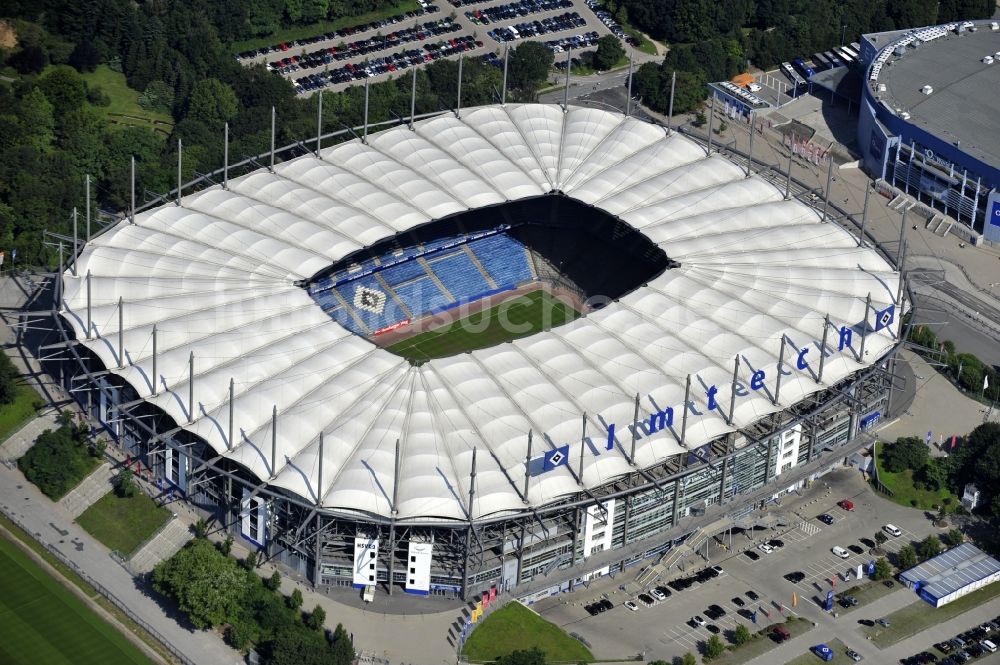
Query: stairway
(90,489)
(168,541)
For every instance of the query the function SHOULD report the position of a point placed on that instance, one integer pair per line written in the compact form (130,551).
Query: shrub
(883,570)
(295,600)
(273,583)
(57,461)
(714,648)
(125,484)
(741,635)
(316,618)
(241,634)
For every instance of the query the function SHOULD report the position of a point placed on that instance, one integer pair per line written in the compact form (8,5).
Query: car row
(394,39)
(600,606)
(390,63)
(964,647)
(513,10)
(608,20)
(559,23)
(338,34)
(715,612)
(573,42)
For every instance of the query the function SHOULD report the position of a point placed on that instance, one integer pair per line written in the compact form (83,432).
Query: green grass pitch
(43,622)
(511,319)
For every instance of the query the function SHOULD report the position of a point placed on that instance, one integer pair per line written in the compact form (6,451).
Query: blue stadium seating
(504,258)
(421,295)
(460,275)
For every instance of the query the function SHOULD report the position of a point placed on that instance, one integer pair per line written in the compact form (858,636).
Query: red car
(283,46)
(846,504)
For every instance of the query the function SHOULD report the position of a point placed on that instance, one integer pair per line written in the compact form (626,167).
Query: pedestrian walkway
(174,535)
(88,492)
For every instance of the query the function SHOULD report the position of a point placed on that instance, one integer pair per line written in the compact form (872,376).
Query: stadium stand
(359,291)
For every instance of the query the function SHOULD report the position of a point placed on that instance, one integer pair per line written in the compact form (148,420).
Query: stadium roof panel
(217,277)
(961,106)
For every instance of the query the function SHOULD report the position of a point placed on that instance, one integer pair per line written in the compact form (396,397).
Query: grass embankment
(124,109)
(866,593)
(904,492)
(515,627)
(920,615)
(303,31)
(123,523)
(43,622)
(13,416)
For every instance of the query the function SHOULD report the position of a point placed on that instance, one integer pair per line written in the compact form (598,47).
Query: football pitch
(517,317)
(43,622)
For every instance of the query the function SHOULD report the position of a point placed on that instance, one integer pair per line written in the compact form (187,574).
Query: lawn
(920,615)
(761,643)
(903,491)
(518,317)
(124,109)
(516,627)
(302,31)
(122,524)
(839,658)
(43,622)
(13,416)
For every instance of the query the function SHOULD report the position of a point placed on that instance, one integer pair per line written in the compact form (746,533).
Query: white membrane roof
(216,276)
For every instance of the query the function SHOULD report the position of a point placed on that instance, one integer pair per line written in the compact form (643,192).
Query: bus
(791,74)
(805,70)
(844,55)
(834,58)
(850,53)
(820,61)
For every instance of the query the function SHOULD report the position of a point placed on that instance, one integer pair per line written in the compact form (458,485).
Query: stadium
(515,347)
(927,124)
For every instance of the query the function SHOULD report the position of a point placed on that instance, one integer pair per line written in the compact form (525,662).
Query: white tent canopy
(217,277)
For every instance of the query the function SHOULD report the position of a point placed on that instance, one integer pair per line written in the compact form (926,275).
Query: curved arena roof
(217,277)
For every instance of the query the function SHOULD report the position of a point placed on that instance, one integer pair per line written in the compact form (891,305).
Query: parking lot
(664,630)
(388,47)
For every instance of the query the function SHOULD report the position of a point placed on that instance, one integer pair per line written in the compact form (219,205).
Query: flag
(493,593)
(860,573)
(13,254)
(986,382)
(957,376)
(871,568)
(795,599)
(554,458)
(486,600)
(885,317)
(833,581)
(829,600)
(754,617)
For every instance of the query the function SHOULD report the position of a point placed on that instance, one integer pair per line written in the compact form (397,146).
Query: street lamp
(843,31)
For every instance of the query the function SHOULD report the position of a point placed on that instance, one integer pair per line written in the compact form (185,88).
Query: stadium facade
(929,124)
(232,343)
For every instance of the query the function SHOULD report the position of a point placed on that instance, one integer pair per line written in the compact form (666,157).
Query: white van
(841,552)
(892,530)
(989,646)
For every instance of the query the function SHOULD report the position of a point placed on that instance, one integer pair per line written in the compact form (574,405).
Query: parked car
(840,551)
(712,628)
(857,549)
(696,621)
(780,634)
(663,591)
(795,577)
(606,604)
(849,601)
(765,548)
(885,623)
(846,504)
(853,655)
(737,601)
(632,606)
(776,543)
(752,595)
(826,518)
(646,599)
(750,554)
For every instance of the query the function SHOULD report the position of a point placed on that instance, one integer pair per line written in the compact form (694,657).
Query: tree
(316,618)
(125,484)
(209,588)
(929,547)
(741,635)
(29,60)
(273,583)
(906,557)
(953,538)
(64,87)
(85,57)
(714,648)
(883,570)
(299,646)
(8,373)
(880,538)
(212,102)
(528,66)
(689,659)
(533,656)
(57,461)
(343,650)
(609,52)
(295,600)
(906,453)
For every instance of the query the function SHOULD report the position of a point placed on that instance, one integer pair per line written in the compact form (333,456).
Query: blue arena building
(928,125)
